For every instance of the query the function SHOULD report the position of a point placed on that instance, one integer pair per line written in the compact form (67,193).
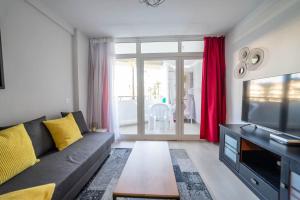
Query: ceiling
(130,18)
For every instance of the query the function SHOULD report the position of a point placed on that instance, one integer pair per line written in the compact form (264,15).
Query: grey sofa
(69,169)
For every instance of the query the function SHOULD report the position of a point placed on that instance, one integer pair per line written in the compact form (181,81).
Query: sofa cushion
(64,168)
(64,131)
(40,137)
(42,192)
(78,116)
(16,152)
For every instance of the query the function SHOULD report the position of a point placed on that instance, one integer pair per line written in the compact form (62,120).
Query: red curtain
(213,99)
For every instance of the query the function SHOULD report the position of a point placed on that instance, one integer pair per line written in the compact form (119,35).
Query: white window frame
(179,57)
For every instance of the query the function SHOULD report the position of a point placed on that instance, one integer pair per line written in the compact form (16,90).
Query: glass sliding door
(125,88)
(160,97)
(191,96)
(157,85)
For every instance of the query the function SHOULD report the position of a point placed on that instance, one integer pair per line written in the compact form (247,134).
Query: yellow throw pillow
(16,152)
(43,192)
(64,131)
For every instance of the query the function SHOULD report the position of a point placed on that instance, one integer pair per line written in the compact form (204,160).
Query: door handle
(253,181)
(278,163)
(283,186)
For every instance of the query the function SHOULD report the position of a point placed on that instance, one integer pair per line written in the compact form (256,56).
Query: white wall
(81,54)
(37,64)
(274,27)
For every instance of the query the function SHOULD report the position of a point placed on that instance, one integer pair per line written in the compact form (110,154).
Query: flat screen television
(274,103)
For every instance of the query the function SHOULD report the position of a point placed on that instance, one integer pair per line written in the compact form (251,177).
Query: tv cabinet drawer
(231,141)
(232,155)
(295,180)
(229,149)
(294,186)
(257,184)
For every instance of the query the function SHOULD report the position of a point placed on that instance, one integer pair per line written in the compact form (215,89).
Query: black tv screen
(273,103)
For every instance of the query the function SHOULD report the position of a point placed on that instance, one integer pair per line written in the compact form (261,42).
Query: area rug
(189,181)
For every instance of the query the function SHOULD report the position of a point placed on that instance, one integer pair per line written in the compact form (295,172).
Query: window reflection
(294,88)
(266,90)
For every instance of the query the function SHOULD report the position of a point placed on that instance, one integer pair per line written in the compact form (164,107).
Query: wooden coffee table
(148,173)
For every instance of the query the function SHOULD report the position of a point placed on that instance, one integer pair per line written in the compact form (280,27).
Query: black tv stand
(270,169)
(245,125)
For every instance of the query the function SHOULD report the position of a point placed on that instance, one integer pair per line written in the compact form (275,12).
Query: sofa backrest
(40,137)
(79,118)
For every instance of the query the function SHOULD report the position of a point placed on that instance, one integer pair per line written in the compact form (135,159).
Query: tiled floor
(189,129)
(221,182)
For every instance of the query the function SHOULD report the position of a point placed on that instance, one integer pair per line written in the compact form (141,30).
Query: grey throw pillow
(79,120)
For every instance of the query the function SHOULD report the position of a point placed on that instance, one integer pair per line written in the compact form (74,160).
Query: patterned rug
(189,181)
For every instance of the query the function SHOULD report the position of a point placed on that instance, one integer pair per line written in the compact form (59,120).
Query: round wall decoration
(241,70)
(250,60)
(255,59)
(244,54)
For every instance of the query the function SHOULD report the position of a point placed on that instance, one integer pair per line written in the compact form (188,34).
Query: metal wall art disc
(255,59)
(241,70)
(152,3)
(244,54)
